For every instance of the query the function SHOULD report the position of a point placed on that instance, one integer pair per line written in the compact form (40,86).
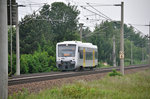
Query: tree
(56,24)
(64,21)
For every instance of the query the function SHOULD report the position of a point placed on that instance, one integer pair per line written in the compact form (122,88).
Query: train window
(80,53)
(89,56)
(66,50)
(96,55)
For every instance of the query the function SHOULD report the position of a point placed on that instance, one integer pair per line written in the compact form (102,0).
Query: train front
(65,56)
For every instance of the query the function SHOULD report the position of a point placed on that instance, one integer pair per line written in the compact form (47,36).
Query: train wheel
(63,70)
(91,68)
(81,68)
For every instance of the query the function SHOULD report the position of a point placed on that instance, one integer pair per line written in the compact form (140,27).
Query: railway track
(22,79)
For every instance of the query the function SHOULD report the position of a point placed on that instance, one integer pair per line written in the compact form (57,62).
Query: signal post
(122,40)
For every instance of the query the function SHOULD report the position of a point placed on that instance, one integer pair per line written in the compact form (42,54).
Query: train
(76,55)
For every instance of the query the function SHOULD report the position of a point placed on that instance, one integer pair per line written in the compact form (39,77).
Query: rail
(58,75)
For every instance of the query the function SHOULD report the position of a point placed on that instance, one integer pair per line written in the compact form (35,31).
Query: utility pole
(10,5)
(3,50)
(122,40)
(81,25)
(114,51)
(17,45)
(17,41)
(149,44)
(142,53)
(121,53)
(131,54)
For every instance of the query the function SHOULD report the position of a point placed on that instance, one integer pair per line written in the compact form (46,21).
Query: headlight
(73,62)
(73,58)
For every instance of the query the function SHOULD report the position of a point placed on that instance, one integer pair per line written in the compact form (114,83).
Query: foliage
(64,21)
(133,86)
(31,34)
(38,62)
(114,73)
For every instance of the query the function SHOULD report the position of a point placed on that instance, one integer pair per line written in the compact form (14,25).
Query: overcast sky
(136,11)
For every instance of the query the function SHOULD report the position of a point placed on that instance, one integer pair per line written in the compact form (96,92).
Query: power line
(92,19)
(99,11)
(34,4)
(95,32)
(94,12)
(138,29)
(138,24)
(97,5)
(34,14)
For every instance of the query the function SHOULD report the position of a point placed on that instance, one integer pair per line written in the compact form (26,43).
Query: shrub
(37,62)
(24,68)
(115,73)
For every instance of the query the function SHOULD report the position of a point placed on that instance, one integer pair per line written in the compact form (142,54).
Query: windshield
(66,50)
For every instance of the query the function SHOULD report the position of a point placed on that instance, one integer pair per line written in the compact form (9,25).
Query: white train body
(71,55)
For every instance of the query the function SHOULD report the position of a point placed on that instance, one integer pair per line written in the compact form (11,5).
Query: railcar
(73,55)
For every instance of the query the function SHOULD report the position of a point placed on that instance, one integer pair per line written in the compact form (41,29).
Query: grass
(132,86)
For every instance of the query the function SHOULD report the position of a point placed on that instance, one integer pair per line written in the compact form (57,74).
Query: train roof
(79,43)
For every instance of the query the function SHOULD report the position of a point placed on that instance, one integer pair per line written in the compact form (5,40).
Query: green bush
(115,73)
(37,62)
(24,68)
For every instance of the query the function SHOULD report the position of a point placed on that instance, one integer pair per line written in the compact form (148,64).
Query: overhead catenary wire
(95,32)
(35,4)
(33,15)
(137,29)
(140,25)
(99,11)
(94,12)
(42,19)
(100,4)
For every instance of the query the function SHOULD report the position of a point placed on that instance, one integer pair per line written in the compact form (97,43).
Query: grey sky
(136,11)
